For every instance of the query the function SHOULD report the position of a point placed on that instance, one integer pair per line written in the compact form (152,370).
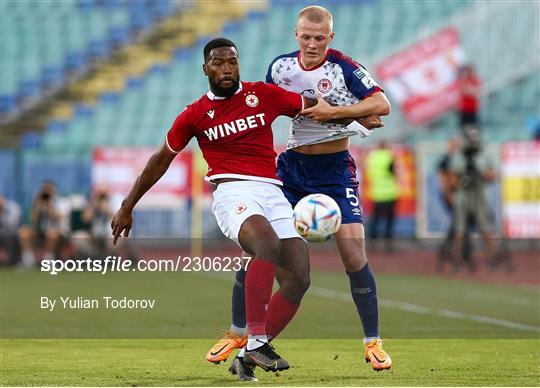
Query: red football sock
(280,312)
(258,286)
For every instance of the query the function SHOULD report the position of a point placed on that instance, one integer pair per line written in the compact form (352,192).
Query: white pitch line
(515,300)
(403,306)
(413,308)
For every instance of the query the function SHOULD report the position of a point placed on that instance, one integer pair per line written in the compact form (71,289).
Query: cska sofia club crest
(240,208)
(252,100)
(324,85)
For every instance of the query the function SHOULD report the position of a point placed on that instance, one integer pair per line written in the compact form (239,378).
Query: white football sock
(256,341)
(239,331)
(369,339)
(242,351)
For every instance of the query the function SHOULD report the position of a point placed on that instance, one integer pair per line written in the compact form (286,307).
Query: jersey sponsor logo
(252,100)
(240,208)
(324,85)
(365,78)
(210,113)
(239,125)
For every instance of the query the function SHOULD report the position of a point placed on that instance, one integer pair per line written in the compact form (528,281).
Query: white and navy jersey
(339,79)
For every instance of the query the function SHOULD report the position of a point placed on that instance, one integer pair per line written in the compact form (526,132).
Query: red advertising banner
(422,78)
(118,167)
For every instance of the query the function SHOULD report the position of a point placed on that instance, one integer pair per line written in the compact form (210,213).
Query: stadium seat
(140,112)
(42,39)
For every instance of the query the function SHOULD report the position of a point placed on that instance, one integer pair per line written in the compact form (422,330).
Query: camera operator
(98,215)
(472,171)
(47,223)
(448,187)
(10,219)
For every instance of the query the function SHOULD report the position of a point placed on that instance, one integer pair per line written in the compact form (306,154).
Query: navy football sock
(364,293)
(239,300)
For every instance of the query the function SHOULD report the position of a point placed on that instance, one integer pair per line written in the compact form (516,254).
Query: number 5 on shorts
(350,194)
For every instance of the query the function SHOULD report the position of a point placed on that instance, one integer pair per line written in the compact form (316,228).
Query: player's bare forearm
(370,122)
(324,109)
(376,104)
(155,168)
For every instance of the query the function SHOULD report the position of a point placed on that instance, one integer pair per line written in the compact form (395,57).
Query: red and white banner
(423,78)
(521,189)
(118,168)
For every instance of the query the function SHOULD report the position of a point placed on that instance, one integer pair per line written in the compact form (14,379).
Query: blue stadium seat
(98,48)
(8,161)
(109,98)
(83,111)
(28,88)
(56,127)
(8,103)
(75,60)
(52,75)
(119,35)
(31,140)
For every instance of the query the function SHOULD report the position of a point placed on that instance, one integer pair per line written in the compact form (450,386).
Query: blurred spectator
(10,220)
(472,170)
(382,189)
(95,239)
(448,187)
(533,125)
(48,225)
(469,104)
(98,214)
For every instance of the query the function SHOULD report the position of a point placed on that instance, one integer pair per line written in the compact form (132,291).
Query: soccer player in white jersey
(317,159)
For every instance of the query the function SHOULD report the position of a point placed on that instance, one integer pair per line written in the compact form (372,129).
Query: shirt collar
(212,96)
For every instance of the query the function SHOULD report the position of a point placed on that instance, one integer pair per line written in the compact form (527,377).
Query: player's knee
(355,261)
(304,282)
(295,286)
(269,250)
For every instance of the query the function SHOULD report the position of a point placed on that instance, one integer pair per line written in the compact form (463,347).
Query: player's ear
(331,36)
(205,70)
(296,33)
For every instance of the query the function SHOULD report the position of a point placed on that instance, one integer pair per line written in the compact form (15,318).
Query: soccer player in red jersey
(232,124)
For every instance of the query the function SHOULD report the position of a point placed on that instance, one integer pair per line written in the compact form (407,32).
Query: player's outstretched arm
(156,166)
(376,104)
(370,121)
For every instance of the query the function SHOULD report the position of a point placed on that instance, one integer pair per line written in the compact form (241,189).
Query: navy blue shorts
(330,174)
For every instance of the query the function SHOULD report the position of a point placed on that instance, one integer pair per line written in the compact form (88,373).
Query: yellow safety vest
(382,183)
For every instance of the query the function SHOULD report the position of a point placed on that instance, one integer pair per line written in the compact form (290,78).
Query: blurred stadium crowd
(80,76)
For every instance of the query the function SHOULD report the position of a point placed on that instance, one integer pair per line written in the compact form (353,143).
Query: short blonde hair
(317,14)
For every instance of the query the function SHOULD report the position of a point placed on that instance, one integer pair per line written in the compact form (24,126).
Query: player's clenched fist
(323,111)
(121,222)
(371,122)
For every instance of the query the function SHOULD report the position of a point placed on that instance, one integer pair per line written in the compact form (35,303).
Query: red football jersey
(235,134)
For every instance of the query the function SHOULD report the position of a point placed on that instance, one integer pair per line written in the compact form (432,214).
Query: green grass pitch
(439,332)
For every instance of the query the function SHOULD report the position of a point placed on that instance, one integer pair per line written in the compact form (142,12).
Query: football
(317,217)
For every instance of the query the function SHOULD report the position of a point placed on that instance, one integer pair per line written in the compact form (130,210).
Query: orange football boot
(376,355)
(223,348)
